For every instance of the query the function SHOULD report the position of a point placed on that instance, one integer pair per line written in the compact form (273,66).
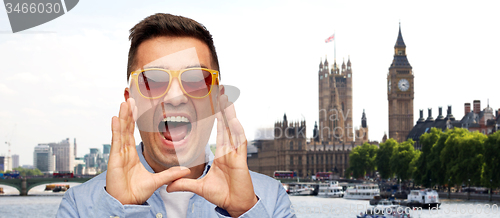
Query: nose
(175,96)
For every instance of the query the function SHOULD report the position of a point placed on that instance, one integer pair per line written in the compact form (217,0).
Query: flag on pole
(329,39)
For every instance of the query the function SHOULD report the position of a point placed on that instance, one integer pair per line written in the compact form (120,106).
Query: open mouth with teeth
(175,128)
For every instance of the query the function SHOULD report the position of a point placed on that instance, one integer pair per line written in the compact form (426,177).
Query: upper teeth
(176,119)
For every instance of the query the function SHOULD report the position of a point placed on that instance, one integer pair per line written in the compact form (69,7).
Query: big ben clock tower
(400,92)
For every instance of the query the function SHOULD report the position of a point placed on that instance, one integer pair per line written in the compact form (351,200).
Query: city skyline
(55,94)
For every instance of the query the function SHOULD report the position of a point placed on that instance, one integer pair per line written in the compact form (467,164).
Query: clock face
(403,85)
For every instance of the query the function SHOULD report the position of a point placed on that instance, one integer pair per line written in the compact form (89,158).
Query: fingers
(170,175)
(116,136)
(239,136)
(220,136)
(123,126)
(236,129)
(131,121)
(122,115)
(190,185)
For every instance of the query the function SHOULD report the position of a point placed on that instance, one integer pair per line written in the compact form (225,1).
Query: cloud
(31,112)
(4,90)
(24,77)
(67,99)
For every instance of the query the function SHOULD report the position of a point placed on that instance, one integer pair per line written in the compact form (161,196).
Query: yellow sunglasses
(153,83)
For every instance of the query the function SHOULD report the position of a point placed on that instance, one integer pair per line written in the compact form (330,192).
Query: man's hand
(127,180)
(228,183)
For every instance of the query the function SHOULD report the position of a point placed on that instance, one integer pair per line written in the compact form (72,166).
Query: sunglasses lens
(153,83)
(197,82)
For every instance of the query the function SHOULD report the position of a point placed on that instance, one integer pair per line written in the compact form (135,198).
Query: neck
(196,170)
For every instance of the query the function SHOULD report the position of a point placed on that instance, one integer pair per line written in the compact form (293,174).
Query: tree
(28,172)
(434,165)
(402,156)
(413,162)
(422,165)
(463,156)
(362,160)
(384,154)
(491,166)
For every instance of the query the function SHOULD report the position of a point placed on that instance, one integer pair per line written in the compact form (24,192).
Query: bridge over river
(23,185)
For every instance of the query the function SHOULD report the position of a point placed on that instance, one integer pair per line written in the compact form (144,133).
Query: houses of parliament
(334,135)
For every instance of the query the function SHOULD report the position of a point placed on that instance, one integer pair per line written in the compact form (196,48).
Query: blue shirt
(90,199)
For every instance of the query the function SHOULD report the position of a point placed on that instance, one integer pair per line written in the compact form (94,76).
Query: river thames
(303,206)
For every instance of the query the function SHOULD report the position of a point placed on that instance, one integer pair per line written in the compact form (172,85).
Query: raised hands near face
(228,183)
(127,179)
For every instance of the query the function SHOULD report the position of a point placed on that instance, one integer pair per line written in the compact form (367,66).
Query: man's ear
(126,93)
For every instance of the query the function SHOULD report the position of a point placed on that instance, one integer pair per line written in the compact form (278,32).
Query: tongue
(176,132)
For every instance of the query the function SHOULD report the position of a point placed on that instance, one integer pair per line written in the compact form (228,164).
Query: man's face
(184,142)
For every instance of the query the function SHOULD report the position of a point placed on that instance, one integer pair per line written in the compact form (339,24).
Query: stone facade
(400,93)
(328,150)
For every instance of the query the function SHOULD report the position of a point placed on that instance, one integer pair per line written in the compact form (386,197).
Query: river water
(303,206)
(311,206)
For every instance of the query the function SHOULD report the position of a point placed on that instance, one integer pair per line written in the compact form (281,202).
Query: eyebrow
(185,67)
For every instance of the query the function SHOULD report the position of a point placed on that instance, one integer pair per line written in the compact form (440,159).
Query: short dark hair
(167,25)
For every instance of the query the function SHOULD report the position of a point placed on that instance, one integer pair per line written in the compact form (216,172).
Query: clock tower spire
(400,92)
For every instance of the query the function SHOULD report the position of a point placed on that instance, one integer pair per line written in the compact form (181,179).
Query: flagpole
(334,48)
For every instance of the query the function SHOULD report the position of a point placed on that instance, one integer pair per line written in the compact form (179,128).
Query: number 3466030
(33,8)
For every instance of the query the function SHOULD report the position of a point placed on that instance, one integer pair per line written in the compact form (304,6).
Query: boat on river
(425,198)
(301,189)
(330,189)
(362,191)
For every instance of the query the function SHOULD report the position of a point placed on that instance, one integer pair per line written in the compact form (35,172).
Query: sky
(65,79)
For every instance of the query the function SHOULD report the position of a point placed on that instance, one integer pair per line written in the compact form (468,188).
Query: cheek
(146,115)
(205,119)
(203,108)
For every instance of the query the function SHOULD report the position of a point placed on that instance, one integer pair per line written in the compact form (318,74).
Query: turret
(363,120)
(400,60)
(421,119)
(440,116)
(429,118)
(449,115)
(316,132)
(343,66)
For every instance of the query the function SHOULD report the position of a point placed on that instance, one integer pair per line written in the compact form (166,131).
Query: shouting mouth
(175,128)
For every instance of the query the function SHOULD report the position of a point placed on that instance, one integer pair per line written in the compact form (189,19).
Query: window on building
(300,145)
(291,160)
(291,145)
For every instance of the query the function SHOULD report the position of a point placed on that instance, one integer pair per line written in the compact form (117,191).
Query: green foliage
(413,162)
(435,166)
(402,156)
(456,156)
(490,176)
(423,165)
(383,158)
(362,160)
(463,156)
(28,172)
(449,158)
